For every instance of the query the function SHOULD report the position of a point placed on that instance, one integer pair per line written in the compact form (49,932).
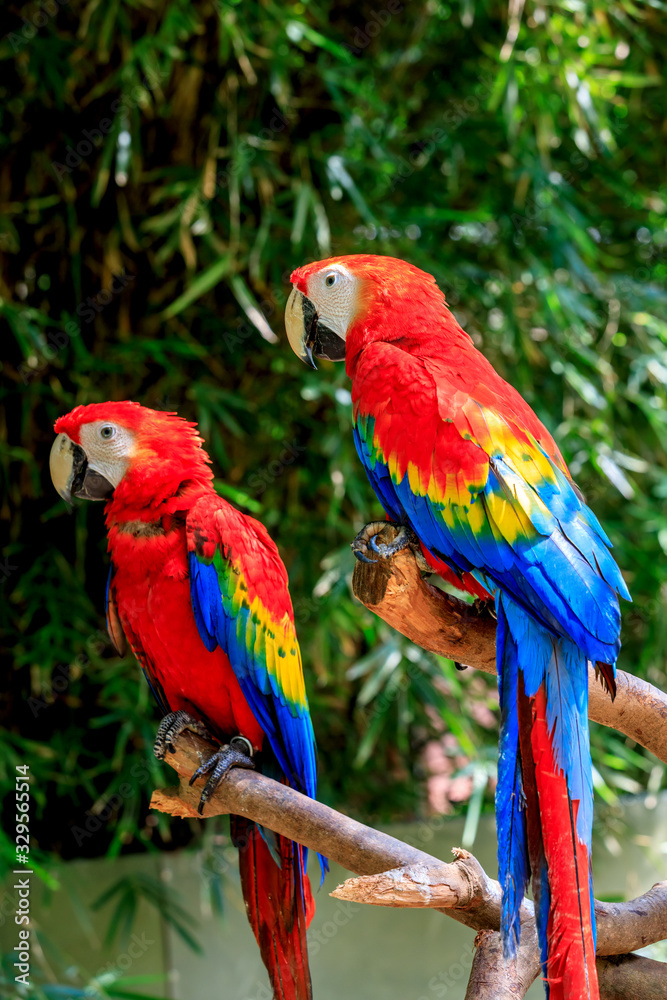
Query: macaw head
(126,451)
(360,298)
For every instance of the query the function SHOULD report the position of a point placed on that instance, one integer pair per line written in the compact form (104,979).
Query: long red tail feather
(570,970)
(279,904)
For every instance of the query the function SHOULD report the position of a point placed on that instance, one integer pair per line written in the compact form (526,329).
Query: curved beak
(307,335)
(300,317)
(72,476)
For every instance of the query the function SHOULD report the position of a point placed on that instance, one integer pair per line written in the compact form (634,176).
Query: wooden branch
(396,591)
(401,875)
(623,927)
(440,886)
(247,793)
(624,977)
(472,898)
(632,977)
(630,926)
(284,810)
(492,978)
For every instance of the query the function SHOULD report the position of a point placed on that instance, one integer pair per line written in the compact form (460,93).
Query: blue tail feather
(529,659)
(513,869)
(563,667)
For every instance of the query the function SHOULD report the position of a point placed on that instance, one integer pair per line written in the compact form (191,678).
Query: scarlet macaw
(199,591)
(456,455)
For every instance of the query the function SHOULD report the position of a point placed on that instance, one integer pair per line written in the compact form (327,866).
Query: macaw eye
(330,280)
(107,432)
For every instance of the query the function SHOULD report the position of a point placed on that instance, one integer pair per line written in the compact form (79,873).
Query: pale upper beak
(308,336)
(72,476)
(300,315)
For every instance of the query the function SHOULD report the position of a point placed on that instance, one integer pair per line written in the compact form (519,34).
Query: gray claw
(238,753)
(172,726)
(358,554)
(367,540)
(386,551)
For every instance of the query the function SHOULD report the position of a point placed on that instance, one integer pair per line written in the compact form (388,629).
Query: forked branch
(461,889)
(400,875)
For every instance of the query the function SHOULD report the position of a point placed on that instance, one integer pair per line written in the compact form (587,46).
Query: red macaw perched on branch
(456,455)
(200,593)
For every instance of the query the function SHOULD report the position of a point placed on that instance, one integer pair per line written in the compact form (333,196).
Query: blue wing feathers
(290,733)
(202,597)
(513,871)
(291,736)
(568,584)
(379,478)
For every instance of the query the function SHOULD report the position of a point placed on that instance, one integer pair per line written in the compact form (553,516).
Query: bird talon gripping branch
(405,538)
(237,753)
(386,550)
(363,540)
(171,727)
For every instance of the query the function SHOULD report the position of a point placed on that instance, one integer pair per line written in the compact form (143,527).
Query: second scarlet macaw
(199,592)
(454,453)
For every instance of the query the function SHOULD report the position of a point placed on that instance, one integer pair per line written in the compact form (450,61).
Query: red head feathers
(146,456)
(340,305)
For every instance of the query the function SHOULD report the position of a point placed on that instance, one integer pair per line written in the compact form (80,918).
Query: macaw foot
(237,753)
(173,724)
(367,540)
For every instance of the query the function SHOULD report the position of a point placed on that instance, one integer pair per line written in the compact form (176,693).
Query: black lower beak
(309,324)
(309,338)
(320,341)
(79,469)
(86,483)
(326,344)
(93,486)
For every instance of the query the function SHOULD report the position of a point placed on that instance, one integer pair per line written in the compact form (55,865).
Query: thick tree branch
(623,927)
(624,977)
(632,977)
(396,591)
(492,978)
(400,875)
(353,845)
(470,896)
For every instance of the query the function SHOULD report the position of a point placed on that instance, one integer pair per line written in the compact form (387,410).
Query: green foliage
(127,892)
(164,167)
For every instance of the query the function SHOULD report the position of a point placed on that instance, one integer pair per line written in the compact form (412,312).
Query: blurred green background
(164,165)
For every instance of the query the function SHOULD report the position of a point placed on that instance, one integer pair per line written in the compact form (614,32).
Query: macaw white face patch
(108,448)
(334,292)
